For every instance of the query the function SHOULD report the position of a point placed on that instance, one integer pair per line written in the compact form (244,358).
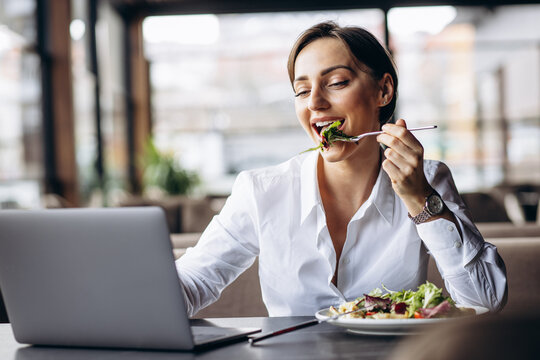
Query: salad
(425,303)
(329,135)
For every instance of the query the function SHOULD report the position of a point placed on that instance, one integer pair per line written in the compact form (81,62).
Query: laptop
(97,278)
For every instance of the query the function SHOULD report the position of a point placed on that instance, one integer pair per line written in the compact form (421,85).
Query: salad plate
(388,326)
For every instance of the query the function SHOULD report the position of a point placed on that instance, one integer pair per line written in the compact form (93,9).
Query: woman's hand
(404,165)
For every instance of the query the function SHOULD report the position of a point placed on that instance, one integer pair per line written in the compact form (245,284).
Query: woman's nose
(317,100)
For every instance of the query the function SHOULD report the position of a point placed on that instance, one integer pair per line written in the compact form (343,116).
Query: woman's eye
(301,93)
(338,84)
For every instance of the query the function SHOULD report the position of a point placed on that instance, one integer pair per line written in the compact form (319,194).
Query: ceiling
(142,8)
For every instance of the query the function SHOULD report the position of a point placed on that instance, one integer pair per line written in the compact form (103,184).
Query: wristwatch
(434,206)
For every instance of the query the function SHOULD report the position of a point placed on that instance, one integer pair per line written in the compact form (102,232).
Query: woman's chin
(334,153)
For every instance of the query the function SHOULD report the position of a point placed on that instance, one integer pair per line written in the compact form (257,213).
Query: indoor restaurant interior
(138,103)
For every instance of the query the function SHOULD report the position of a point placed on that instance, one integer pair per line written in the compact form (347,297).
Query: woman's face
(329,86)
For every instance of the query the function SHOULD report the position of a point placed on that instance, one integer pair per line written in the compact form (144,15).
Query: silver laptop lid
(92,277)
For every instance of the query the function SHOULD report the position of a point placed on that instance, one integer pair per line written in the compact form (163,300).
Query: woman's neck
(349,181)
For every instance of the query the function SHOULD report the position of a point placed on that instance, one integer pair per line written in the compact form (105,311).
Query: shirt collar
(382,195)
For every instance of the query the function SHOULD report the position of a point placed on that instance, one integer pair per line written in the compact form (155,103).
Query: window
(222,102)
(476,73)
(21,146)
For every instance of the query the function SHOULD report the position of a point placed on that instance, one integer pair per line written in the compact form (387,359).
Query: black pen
(302,325)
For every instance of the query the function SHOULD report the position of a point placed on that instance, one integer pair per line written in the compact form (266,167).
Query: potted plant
(163,171)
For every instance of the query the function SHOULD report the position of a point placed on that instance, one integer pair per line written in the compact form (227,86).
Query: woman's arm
(473,271)
(226,248)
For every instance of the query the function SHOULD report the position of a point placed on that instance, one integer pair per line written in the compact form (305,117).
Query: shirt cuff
(443,241)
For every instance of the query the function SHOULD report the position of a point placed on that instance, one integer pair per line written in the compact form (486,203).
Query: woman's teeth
(324,123)
(321,125)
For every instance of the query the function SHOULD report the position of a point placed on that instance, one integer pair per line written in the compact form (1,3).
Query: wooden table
(323,341)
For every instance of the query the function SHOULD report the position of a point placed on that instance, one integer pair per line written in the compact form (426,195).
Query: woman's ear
(386,86)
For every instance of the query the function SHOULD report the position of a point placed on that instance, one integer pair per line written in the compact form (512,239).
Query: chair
(521,201)
(183,213)
(484,207)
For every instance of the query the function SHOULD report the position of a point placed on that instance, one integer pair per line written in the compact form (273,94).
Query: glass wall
(222,102)
(111,62)
(476,73)
(100,138)
(21,146)
(84,102)
(221,99)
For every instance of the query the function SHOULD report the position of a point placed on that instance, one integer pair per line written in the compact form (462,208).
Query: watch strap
(420,218)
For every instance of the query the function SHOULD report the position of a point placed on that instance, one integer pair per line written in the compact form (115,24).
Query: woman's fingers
(404,149)
(404,159)
(406,163)
(392,170)
(398,146)
(399,132)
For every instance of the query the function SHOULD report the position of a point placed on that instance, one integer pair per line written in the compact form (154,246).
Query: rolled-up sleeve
(226,248)
(473,271)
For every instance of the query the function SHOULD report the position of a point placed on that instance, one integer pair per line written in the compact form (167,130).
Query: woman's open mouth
(328,132)
(320,126)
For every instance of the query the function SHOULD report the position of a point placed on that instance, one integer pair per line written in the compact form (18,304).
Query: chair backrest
(485,207)
(240,299)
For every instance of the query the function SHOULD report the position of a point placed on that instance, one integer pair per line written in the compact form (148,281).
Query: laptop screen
(92,277)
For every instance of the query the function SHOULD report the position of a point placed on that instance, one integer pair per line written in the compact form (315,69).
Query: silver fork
(361,136)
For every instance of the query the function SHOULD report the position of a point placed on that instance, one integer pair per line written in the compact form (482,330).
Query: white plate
(387,326)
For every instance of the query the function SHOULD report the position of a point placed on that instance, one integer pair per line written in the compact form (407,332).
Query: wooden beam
(139,116)
(55,48)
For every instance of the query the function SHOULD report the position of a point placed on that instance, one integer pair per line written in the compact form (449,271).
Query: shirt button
(346,261)
(450,228)
(457,244)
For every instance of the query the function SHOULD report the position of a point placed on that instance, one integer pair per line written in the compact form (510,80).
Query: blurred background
(163,102)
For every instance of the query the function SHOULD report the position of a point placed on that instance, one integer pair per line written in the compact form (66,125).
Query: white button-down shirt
(276,213)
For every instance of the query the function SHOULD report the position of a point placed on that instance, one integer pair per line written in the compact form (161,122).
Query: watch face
(435,205)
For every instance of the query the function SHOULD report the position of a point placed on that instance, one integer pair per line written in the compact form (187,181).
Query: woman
(332,225)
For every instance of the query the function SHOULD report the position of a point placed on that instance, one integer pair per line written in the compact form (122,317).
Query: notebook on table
(97,278)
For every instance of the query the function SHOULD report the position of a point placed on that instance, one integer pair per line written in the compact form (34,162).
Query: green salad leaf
(428,295)
(329,136)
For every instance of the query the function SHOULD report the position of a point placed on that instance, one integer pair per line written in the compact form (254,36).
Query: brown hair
(363,47)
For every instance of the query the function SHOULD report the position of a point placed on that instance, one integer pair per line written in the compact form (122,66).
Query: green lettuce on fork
(329,136)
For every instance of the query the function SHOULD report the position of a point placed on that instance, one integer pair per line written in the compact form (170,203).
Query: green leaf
(330,135)
(428,295)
